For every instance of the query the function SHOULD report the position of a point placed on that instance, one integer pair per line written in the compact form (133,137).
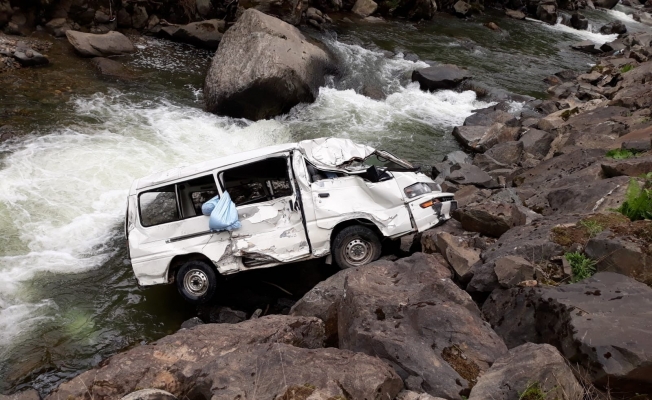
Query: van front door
(272,225)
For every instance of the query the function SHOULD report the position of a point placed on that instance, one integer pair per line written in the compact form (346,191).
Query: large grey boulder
(412,315)
(636,166)
(602,323)
(605,3)
(617,27)
(93,45)
(440,77)
(507,152)
(262,68)
(364,8)
(205,34)
(537,142)
(467,174)
(490,218)
(458,253)
(547,13)
(286,10)
(527,365)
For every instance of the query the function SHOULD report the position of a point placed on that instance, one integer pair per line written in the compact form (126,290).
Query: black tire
(196,281)
(355,246)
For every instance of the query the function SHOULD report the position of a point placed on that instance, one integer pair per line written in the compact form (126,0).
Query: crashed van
(325,197)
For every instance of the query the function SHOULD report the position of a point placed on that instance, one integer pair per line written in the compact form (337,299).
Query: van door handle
(322,195)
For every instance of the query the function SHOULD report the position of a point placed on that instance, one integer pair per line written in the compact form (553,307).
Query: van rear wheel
(355,246)
(196,281)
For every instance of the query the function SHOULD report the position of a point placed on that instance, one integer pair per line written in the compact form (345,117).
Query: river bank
(171,130)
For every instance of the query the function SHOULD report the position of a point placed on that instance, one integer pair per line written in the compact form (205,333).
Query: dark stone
(112,68)
(206,34)
(537,142)
(490,218)
(586,46)
(547,13)
(462,8)
(617,27)
(579,21)
(467,174)
(191,323)
(440,77)
(487,118)
(507,153)
(635,166)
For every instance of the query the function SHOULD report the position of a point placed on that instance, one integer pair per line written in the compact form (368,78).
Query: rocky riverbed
(539,147)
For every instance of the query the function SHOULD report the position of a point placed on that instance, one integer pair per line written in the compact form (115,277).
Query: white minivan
(325,197)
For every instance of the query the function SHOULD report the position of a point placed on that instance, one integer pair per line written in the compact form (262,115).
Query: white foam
(622,16)
(595,37)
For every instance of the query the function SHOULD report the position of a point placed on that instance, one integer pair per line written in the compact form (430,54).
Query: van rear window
(158,206)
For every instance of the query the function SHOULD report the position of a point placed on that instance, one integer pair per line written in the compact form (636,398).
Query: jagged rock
(92,45)
(28,57)
(111,68)
(617,27)
(413,316)
(462,8)
(440,77)
(488,118)
(29,394)
(364,8)
(586,46)
(605,3)
(149,394)
(458,254)
(547,13)
(527,365)
(262,68)
(637,145)
(481,138)
(139,17)
(613,46)
(490,218)
(636,166)
(101,17)
(467,174)
(166,363)
(579,21)
(487,163)
(536,142)
(58,27)
(286,10)
(582,321)
(123,18)
(469,194)
(191,323)
(515,14)
(643,18)
(410,395)
(457,157)
(507,152)
(511,270)
(207,34)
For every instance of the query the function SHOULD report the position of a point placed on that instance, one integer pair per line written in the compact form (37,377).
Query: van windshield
(387,160)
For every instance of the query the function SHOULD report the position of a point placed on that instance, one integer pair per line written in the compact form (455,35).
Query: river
(68,297)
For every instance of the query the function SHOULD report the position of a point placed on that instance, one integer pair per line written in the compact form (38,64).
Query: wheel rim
(196,282)
(358,252)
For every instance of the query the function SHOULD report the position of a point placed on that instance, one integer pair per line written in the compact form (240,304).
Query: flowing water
(68,297)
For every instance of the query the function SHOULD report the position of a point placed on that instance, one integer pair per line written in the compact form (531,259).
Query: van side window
(194,193)
(158,206)
(258,181)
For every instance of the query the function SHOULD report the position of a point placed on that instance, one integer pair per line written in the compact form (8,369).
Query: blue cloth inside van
(223,214)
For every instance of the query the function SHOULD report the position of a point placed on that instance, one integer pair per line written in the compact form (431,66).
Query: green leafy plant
(582,267)
(620,154)
(638,202)
(565,115)
(592,227)
(533,392)
(626,68)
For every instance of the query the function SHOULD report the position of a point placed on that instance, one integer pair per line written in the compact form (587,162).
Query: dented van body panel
(290,199)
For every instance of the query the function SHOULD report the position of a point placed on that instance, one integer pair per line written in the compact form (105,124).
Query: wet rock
(101,17)
(29,394)
(613,46)
(111,68)
(92,45)
(286,10)
(174,362)
(527,365)
(28,57)
(457,157)
(462,8)
(262,68)
(191,323)
(643,18)
(323,302)
(458,254)
(515,14)
(440,77)
(123,18)
(467,174)
(512,270)
(579,320)
(586,46)
(617,27)
(226,315)
(488,118)
(636,166)
(547,13)
(204,8)
(536,142)
(490,218)
(605,3)
(493,26)
(139,17)
(416,10)
(364,8)
(579,21)
(58,27)
(149,394)
(206,34)
(506,153)
(414,317)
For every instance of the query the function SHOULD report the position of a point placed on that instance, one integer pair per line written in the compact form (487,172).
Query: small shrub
(592,227)
(582,267)
(569,113)
(620,154)
(626,68)
(533,392)
(638,202)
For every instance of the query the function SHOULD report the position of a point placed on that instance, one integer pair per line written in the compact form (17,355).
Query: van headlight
(417,189)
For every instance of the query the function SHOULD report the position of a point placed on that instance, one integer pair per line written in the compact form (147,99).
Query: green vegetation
(591,226)
(638,202)
(626,68)
(620,154)
(569,113)
(582,267)
(533,392)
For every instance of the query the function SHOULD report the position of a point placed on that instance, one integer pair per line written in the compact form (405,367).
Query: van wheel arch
(355,243)
(178,260)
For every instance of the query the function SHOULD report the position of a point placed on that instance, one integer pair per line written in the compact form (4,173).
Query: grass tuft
(533,392)
(620,154)
(582,267)
(592,227)
(638,202)
(626,68)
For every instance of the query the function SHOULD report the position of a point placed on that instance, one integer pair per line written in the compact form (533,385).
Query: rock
(623,251)
(364,8)
(440,77)
(206,34)
(635,166)
(111,68)
(536,142)
(506,153)
(586,46)
(488,118)
(139,17)
(547,13)
(123,18)
(458,254)
(92,45)
(323,302)
(225,315)
(101,17)
(262,68)
(493,26)
(204,8)
(527,365)
(490,218)
(411,314)
(469,194)
(289,11)
(29,394)
(642,17)
(637,145)
(462,8)
(579,21)
(512,270)
(515,14)
(481,138)
(191,323)
(165,363)
(617,27)
(487,163)
(605,3)
(410,395)
(467,174)
(614,46)
(149,394)
(416,10)
(457,157)
(579,320)
(27,57)
(58,27)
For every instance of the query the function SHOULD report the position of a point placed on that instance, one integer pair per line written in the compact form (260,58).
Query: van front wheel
(355,246)
(196,281)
